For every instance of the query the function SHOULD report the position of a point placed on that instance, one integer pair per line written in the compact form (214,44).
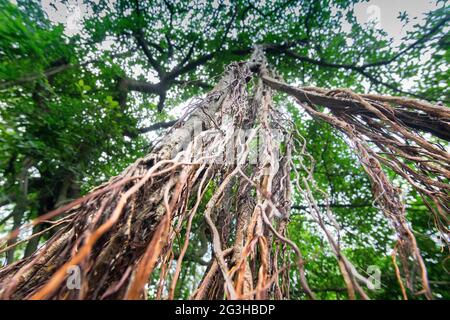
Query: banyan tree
(297,147)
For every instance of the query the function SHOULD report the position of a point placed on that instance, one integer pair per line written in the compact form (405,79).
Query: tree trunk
(119,229)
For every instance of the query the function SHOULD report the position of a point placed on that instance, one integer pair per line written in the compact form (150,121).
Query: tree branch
(198,83)
(419,41)
(243,51)
(359,69)
(189,66)
(156,126)
(144,46)
(141,86)
(411,119)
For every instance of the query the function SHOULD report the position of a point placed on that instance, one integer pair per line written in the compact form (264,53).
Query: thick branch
(142,86)
(415,120)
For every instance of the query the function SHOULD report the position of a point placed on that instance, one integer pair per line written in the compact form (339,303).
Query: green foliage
(65,126)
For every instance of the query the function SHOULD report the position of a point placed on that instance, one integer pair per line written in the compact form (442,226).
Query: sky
(384,11)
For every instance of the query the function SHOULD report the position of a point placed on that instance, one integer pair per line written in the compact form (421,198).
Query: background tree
(75,109)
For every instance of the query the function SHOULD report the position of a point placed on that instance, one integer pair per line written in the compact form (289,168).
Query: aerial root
(423,164)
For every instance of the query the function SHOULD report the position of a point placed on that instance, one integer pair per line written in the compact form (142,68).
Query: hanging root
(118,233)
(379,132)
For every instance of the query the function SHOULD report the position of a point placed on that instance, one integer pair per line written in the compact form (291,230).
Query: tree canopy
(78,108)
